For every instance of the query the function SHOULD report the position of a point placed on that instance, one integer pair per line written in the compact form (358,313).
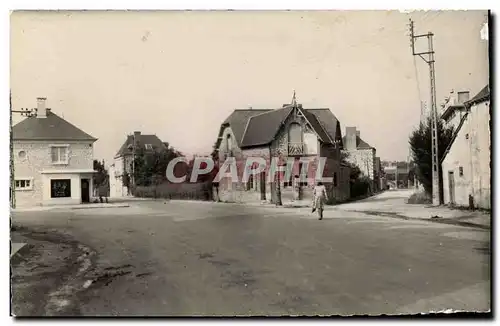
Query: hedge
(193,191)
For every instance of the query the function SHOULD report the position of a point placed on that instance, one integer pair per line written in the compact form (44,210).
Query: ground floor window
(24,184)
(60,188)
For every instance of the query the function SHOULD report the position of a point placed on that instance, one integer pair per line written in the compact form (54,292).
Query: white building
(466,162)
(122,165)
(53,160)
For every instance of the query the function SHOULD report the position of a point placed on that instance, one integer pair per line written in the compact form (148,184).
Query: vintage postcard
(250,163)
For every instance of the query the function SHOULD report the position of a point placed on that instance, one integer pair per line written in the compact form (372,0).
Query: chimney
(137,134)
(463,97)
(350,136)
(41,108)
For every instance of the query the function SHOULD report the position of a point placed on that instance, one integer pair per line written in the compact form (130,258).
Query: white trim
(66,146)
(68,171)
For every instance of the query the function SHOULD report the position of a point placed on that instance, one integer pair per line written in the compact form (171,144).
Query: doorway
(85,190)
(451,185)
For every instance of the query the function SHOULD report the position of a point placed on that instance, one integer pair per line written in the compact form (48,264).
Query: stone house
(292,134)
(53,160)
(123,159)
(466,163)
(361,154)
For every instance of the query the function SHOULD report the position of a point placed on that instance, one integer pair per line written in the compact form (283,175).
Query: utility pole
(428,57)
(26,113)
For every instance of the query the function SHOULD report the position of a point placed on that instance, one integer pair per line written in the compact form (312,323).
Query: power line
(428,57)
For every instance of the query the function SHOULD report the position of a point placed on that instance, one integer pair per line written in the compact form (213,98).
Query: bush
(192,191)
(360,187)
(419,198)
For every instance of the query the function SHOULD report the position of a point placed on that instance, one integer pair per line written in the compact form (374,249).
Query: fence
(191,191)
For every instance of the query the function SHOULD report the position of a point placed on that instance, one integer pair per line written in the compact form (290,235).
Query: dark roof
(53,127)
(259,127)
(483,95)
(141,141)
(238,121)
(360,143)
(455,134)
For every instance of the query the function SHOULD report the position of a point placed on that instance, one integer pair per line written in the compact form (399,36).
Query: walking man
(319,198)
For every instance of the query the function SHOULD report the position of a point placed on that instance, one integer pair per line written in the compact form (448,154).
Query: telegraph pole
(26,113)
(428,57)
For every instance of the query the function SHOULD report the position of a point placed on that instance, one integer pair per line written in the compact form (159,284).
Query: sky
(179,74)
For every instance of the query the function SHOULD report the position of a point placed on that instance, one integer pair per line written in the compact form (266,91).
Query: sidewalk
(69,207)
(442,214)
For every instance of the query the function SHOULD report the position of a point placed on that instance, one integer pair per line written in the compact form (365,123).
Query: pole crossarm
(436,198)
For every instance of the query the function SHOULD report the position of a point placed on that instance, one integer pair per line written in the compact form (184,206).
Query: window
(461,171)
(149,147)
(229,143)
(59,154)
(295,133)
(24,184)
(60,188)
(22,155)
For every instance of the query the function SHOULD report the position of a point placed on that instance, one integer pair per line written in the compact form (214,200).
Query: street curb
(434,220)
(95,207)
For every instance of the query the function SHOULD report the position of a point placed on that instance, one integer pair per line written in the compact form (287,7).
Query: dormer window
(229,142)
(149,147)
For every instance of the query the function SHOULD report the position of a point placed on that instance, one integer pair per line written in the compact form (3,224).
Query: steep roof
(483,95)
(53,127)
(238,121)
(455,134)
(141,141)
(259,127)
(360,143)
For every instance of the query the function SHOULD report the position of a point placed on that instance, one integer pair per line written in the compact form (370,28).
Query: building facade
(361,154)
(122,166)
(293,135)
(466,163)
(53,161)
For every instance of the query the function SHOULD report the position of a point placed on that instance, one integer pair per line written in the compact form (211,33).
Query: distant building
(361,154)
(466,163)
(53,160)
(454,108)
(122,165)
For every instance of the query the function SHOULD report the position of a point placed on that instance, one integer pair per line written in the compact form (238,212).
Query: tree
(100,177)
(150,167)
(421,147)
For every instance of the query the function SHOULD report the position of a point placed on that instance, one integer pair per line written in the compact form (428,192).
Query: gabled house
(361,154)
(290,132)
(466,163)
(53,160)
(134,144)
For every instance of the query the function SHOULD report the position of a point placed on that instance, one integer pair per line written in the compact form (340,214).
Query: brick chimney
(350,138)
(41,109)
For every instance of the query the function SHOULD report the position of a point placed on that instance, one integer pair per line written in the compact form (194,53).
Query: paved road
(185,258)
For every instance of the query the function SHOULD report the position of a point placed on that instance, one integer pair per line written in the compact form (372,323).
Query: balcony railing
(295,148)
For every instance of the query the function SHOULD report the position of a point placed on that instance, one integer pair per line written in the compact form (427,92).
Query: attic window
(149,146)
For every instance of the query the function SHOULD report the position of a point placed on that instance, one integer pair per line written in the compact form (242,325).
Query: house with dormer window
(53,160)
(122,165)
(290,132)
